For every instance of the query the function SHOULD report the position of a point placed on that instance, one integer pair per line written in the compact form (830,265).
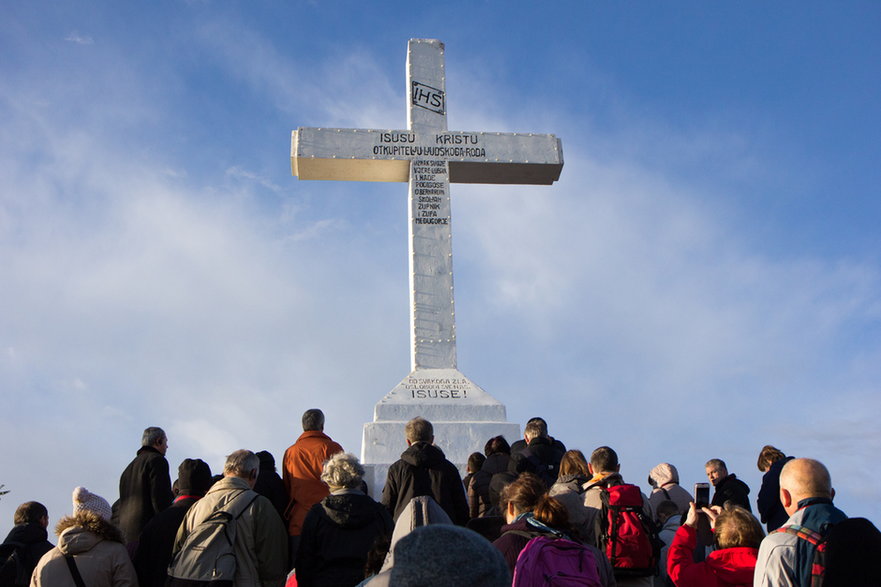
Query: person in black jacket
(424,470)
(340,530)
(24,545)
(541,456)
(482,502)
(153,555)
(269,483)
(144,487)
(728,486)
(520,445)
(771,462)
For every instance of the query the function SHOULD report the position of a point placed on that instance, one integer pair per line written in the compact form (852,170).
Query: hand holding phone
(701,495)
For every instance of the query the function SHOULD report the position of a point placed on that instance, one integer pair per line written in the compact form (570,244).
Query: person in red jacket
(737,535)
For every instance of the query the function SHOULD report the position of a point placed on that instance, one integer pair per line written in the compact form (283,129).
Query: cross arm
(384,155)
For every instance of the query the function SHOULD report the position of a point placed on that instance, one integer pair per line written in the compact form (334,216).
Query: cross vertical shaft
(432,309)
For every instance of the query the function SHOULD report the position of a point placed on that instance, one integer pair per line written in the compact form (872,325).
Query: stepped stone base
(464,417)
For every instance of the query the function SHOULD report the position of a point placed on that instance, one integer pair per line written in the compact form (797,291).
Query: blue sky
(704,279)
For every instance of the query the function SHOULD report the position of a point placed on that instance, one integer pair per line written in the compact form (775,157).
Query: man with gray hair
(540,455)
(424,470)
(727,486)
(260,538)
(786,556)
(301,474)
(144,487)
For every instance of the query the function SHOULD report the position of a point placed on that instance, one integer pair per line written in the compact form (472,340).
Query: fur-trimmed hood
(83,531)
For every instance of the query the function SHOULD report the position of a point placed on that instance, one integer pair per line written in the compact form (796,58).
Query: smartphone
(702,495)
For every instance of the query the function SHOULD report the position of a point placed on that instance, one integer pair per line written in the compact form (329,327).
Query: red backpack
(629,538)
(555,562)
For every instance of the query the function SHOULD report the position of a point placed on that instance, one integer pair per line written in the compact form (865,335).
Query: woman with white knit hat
(90,549)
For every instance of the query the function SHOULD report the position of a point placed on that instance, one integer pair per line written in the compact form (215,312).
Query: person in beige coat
(94,545)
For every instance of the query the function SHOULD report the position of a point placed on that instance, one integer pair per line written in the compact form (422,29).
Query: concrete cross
(429,157)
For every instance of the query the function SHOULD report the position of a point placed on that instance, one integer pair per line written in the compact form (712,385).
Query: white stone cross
(429,157)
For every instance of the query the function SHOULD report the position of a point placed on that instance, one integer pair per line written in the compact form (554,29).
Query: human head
(244,464)
(475,462)
(663,474)
(419,430)
(604,460)
(313,420)
(801,479)
(541,422)
(535,429)
(31,512)
(443,555)
(497,444)
(573,463)
(342,471)
(551,512)
(716,470)
(193,477)
(267,461)
(666,509)
(769,456)
(735,526)
(84,501)
(522,495)
(155,437)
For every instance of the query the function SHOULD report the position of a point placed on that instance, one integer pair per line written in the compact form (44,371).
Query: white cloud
(78,39)
(222,309)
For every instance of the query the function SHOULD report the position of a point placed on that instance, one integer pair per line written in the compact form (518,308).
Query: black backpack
(846,554)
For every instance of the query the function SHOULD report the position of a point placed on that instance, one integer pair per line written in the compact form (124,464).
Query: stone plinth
(464,417)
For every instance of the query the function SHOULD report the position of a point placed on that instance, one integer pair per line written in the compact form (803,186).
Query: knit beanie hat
(442,555)
(267,461)
(86,501)
(193,477)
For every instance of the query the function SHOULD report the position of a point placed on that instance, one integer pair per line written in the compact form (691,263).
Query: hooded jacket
(28,542)
(729,567)
(337,534)
(664,480)
(424,470)
(97,549)
(568,491)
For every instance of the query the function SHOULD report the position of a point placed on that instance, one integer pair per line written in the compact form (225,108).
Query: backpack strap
(234,507)
(523,533)
(71,564)
(816,540)
(803,533)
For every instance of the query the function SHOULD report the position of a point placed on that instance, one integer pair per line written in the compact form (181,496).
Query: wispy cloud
(239,173)
(78,39)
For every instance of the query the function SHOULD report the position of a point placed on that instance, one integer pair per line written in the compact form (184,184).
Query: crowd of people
(526,512)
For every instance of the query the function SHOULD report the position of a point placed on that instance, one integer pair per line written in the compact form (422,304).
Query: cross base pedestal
(463,415)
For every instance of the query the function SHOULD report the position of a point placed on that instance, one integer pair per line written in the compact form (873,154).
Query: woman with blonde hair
(737,535)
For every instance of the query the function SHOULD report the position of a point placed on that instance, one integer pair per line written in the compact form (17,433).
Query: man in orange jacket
(303,462)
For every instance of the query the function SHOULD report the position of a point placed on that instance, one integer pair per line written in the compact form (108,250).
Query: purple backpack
(555,561)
